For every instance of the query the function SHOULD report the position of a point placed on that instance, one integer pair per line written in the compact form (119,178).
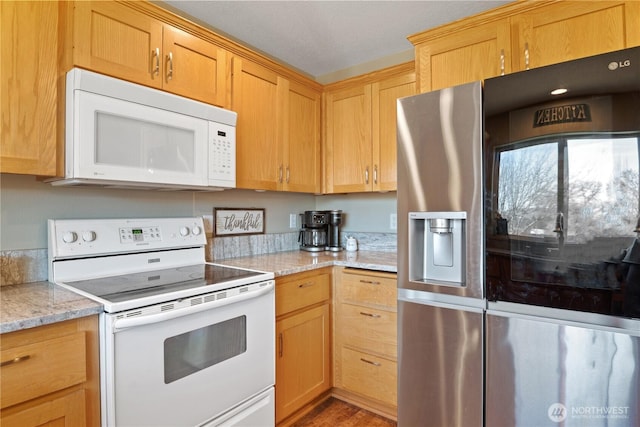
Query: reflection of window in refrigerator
(593,182)
(603,187)
(527,188)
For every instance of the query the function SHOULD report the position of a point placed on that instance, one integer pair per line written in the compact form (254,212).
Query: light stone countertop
(284,263)
(39,303)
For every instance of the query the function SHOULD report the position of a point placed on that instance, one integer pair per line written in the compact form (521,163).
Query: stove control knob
(88,236)
(196,230)
(184,231)
(69,237)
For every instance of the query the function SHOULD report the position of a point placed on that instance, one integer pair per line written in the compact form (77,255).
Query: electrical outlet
(393,221)
(292,220)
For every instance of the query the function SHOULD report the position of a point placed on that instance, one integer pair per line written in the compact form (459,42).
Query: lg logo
(557,412)
(621,64)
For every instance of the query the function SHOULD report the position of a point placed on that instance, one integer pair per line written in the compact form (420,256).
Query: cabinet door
(111,38)
(575,29)
(301,140)
(255,98)
(385,95)
(193,67)
(28,87)
(303,369)
(348,140)
(464,56)
(65,411)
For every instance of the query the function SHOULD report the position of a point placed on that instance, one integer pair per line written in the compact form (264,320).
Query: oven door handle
(121,324)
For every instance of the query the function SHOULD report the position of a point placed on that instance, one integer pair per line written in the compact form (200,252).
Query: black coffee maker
(320,231)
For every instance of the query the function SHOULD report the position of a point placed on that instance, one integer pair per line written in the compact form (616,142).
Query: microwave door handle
(121,324)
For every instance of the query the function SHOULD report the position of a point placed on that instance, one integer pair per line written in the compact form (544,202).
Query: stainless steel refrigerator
(440,258)
(562,244)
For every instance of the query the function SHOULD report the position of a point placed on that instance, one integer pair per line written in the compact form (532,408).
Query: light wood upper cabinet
(301,149)
(278,131)
(348,140)
(464,56)
(114,39)
(522,35)
(360,130)
(385,94)
(574,29)
(193,67)
(255,98)
(29,87)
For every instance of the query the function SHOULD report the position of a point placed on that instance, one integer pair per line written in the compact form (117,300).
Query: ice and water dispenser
(437,252)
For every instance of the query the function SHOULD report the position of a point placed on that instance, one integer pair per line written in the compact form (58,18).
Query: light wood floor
(336,413)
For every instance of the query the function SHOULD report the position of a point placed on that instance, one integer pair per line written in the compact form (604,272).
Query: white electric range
(183,341)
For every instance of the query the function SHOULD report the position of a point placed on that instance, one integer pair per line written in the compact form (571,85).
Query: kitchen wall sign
(238,221)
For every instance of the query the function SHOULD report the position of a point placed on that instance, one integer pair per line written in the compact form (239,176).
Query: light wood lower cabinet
(50,375)
(365,339)
(303,342)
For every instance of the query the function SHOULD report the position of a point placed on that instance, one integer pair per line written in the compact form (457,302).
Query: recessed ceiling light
(558,91)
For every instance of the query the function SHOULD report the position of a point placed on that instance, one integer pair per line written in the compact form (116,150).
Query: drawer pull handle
(369,314)
(305,285)
(15,360)
(372,282)
(370,362)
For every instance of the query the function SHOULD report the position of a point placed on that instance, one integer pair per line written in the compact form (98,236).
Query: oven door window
(199,349)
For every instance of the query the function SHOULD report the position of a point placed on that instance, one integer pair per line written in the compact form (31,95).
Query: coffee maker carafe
(313,235)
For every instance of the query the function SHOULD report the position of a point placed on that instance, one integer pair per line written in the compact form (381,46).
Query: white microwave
(120,134)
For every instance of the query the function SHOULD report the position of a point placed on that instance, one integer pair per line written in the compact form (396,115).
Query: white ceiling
(321,37)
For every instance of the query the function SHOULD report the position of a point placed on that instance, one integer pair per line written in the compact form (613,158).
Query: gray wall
(26,204)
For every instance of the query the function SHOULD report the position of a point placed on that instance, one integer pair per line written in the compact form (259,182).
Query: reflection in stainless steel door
(440,170)
(441,366)
(584,378)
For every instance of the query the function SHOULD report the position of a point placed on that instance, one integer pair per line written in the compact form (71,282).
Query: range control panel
(90,237)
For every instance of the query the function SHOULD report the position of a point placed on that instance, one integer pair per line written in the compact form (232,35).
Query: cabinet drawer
(369,329)
(370,376)
(40,368)
(369,289)
(301,291)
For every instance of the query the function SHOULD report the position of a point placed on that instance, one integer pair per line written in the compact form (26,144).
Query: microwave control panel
(222,155)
